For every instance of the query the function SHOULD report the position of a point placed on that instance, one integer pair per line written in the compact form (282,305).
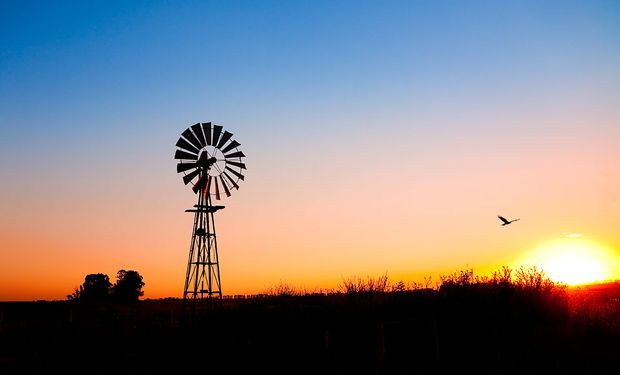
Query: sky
(381,137)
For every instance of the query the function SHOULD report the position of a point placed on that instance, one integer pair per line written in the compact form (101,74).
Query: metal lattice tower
(212,159)
(202,280)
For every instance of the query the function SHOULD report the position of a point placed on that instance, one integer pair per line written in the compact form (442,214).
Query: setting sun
(572,260)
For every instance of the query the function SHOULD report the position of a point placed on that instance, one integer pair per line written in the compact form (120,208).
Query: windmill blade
(182,143)
(180,154)
(217,130)
(192,143)
(239,165)
(182,167)
(200,184)
(190,176)
(235,173)
(237,154)
(224,139)
(207,189)
(199,134)
(206,128)
(217,190)
(232,182)
(232,145)
(191,137)
(224,186)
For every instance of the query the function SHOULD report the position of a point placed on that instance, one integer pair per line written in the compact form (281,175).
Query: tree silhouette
(96,287)
(128,287)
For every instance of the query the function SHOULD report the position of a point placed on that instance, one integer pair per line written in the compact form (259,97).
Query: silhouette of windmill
(506,221)
(213,160)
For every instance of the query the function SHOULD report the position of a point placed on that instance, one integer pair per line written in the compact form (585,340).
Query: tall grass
(522,278)
(357,285)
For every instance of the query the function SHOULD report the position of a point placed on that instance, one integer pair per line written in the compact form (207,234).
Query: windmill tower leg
(203,287)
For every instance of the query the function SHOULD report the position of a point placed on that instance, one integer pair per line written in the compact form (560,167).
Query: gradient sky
(381,136)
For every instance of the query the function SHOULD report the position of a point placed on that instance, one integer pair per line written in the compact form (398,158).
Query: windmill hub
(212,159)
(205,161)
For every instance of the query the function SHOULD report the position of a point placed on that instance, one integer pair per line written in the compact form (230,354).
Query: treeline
(98,288)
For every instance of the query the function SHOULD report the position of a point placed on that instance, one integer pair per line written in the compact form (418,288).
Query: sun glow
(572,260)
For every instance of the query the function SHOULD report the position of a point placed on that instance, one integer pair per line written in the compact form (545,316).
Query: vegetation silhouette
(128,287)
(97,288)
(509,322)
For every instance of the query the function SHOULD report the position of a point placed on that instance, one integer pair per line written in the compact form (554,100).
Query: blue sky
(93,59)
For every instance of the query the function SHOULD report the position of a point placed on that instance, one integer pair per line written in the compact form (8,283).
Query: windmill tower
(212,162)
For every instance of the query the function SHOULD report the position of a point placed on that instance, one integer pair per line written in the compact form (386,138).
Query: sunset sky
(381,136)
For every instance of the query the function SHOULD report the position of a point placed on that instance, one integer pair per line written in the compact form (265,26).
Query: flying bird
(506,221)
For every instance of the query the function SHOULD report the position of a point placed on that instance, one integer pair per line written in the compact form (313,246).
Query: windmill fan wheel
(210,159)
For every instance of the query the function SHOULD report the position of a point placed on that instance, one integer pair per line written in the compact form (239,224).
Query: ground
(481,328)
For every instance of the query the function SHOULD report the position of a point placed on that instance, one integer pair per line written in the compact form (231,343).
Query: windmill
(211,161)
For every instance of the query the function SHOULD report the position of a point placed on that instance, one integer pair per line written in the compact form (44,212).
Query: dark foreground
(481,329)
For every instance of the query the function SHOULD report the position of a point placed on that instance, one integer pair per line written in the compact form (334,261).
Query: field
(484,327)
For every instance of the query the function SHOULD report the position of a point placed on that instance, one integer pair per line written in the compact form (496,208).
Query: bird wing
(503,219)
